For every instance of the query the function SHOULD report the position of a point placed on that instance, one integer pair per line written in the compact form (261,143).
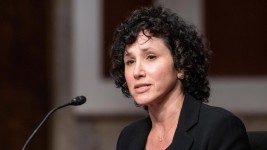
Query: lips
(141,88)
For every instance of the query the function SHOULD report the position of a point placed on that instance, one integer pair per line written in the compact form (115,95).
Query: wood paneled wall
(25,61)
(237,33)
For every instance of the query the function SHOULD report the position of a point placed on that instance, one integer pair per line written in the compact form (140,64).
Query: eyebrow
(126,53)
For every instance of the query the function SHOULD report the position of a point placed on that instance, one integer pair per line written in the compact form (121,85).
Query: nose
(139,70)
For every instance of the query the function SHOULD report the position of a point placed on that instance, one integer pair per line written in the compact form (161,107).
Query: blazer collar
(139,141)
(188,118)
(189,114)
(182,140)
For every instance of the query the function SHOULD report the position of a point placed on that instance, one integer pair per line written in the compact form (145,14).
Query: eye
(129,62)
(151,57)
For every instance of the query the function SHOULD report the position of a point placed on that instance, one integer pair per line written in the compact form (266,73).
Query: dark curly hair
(186,46)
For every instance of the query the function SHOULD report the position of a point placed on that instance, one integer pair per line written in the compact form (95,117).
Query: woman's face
(149,71)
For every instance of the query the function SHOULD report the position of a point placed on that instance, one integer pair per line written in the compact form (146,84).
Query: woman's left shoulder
(217,112)
(220,125)
(217,117)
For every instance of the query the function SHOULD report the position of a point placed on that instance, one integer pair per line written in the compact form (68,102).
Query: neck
(165,120)
(167,114)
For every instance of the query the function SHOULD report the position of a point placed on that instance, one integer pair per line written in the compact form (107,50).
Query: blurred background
(54,50)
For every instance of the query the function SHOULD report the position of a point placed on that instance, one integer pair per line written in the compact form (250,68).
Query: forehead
(144,42)
(142,38)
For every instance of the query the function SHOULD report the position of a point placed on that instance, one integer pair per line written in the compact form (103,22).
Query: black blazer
(200,127)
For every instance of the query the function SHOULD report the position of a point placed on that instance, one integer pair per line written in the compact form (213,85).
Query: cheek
(162,72)
(127,75)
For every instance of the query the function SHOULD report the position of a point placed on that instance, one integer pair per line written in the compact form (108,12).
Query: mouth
(141,88)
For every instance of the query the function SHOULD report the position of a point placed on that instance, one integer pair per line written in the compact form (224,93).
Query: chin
(142,102)
(143,99)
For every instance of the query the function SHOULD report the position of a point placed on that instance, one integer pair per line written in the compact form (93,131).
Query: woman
(162,63)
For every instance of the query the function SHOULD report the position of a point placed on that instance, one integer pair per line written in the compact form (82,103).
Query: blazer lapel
(181,141)
(188,119)
(139,141)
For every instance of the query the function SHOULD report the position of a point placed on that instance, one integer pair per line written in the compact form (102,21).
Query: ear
(180,74)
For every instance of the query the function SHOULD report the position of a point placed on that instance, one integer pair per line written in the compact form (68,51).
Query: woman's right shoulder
(136,126)
(134,130)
